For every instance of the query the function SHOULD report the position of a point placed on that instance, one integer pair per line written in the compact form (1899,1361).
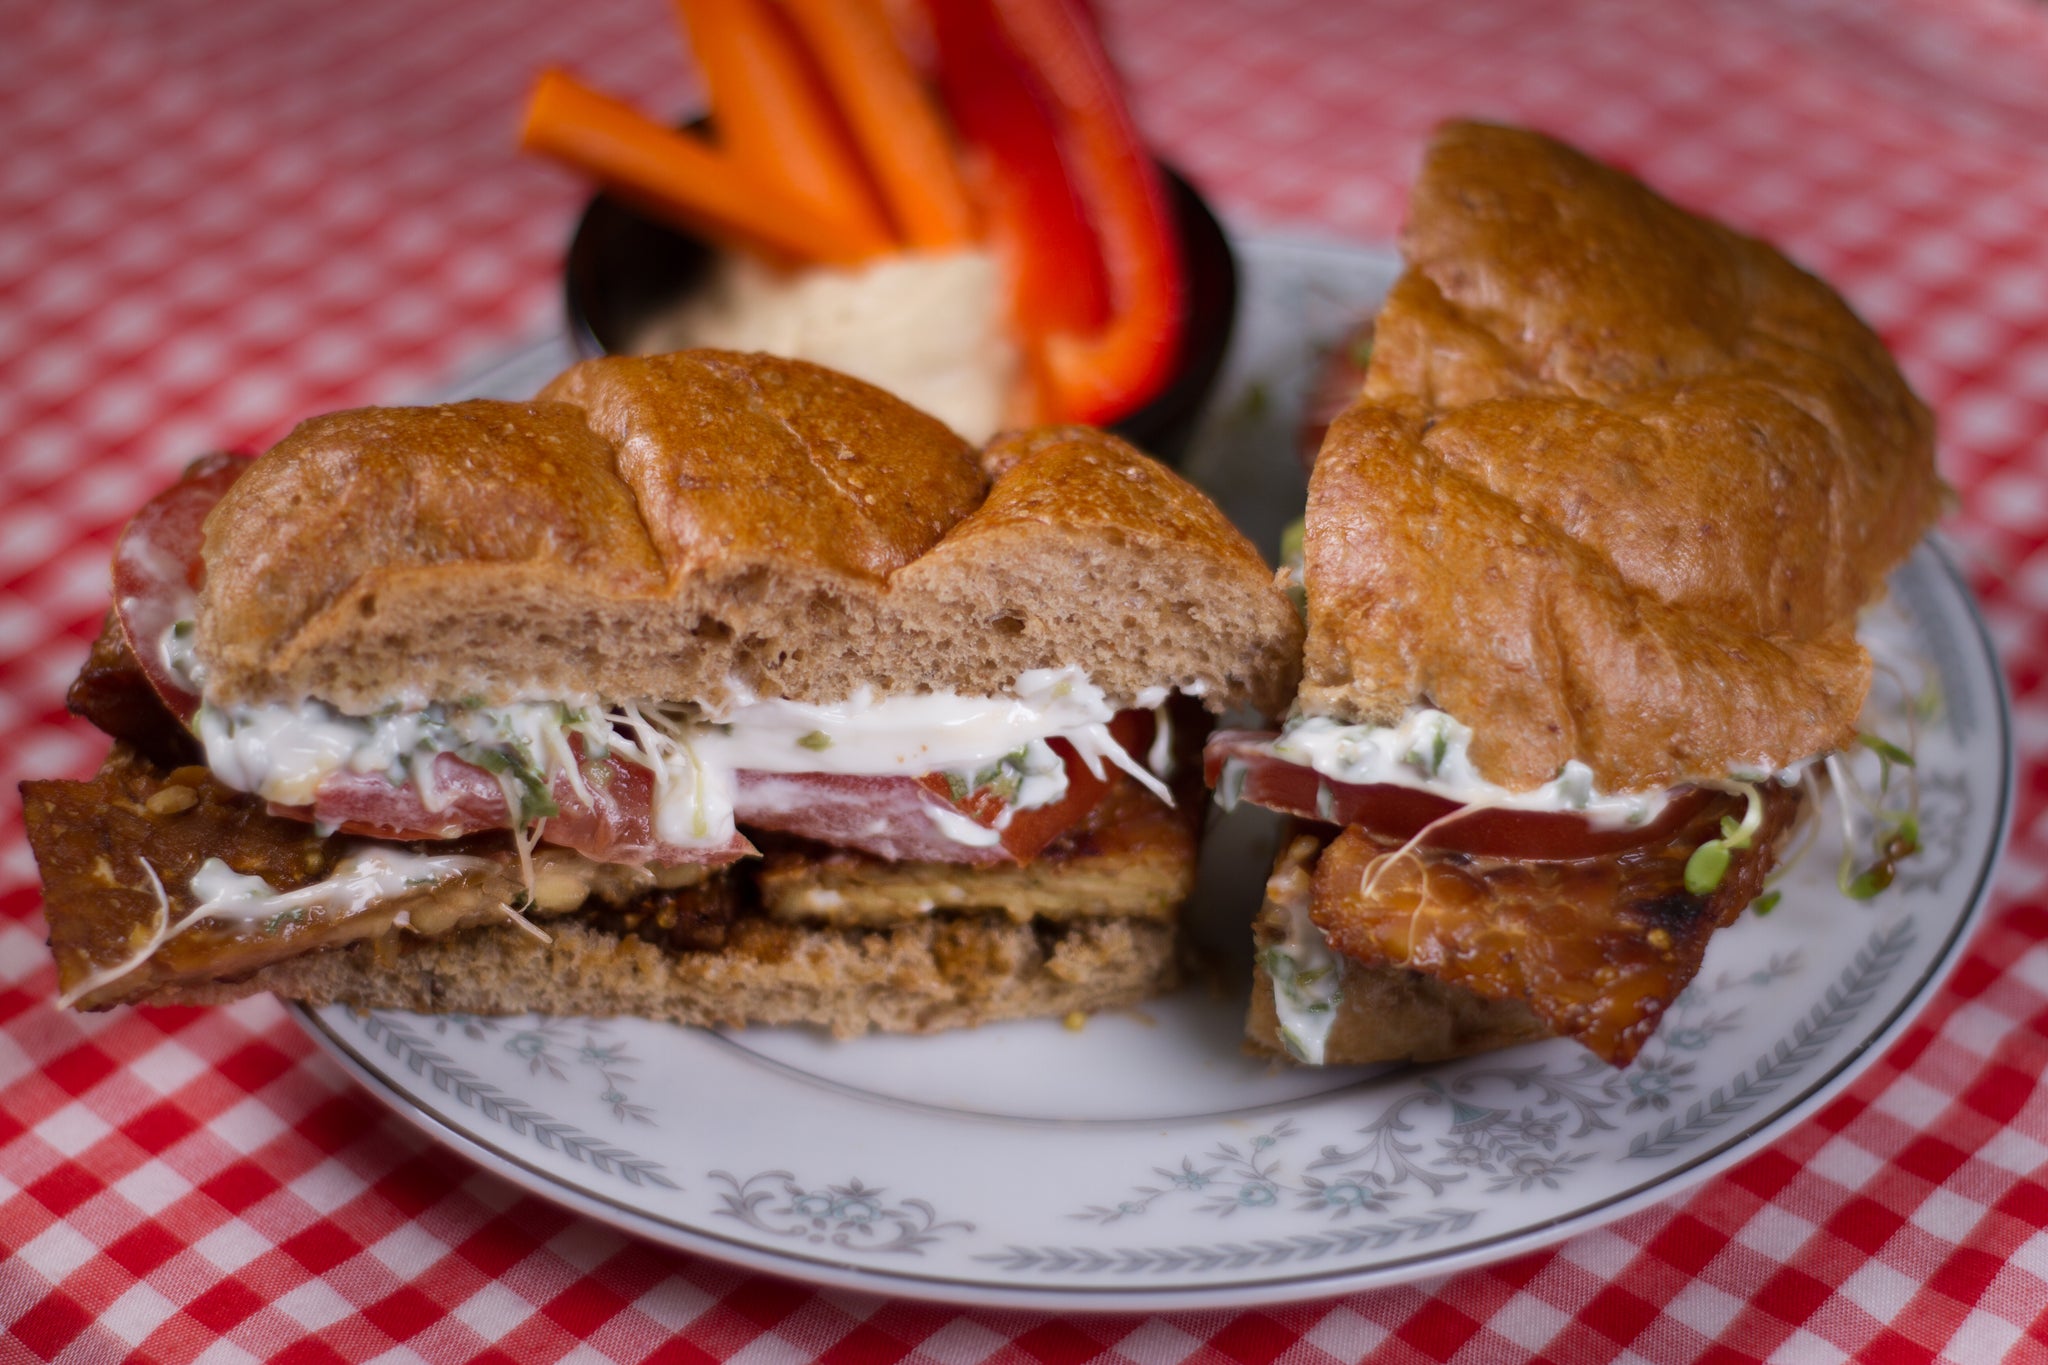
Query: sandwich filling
(1595,938)
(704,772)
(1441,871)
(935,777)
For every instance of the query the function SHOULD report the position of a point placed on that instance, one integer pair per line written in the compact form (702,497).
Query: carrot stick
(679,177)
(893,120)
(772,113)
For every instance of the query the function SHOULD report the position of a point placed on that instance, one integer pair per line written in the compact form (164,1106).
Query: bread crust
(1619,481)
(711,527)
(753,460)
(1088,552)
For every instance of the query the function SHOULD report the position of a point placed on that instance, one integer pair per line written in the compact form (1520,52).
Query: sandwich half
(709,687)
(1582,563)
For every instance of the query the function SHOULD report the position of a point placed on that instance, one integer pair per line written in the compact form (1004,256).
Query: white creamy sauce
(283,753)
(870,735)
(1308,984)
(1432,751)
(360,880)
(931,328)
(962,830)
(177,651)
(1159,758)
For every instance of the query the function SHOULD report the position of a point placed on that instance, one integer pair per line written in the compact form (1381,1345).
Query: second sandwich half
(492,706)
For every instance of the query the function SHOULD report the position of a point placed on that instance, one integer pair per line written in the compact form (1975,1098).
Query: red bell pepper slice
(1035,217)
(1100,375)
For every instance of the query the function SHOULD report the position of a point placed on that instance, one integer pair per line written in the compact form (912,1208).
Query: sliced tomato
(904,818)
(1029,831)
(1404,812)
(157,569)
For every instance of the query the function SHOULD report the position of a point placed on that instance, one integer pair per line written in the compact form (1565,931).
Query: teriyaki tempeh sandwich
(708,687)
(1583,564)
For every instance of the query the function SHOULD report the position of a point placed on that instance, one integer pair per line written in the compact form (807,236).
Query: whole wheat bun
(707,527)
(1616,487)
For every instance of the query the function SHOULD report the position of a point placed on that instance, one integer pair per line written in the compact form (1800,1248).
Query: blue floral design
(853,1216)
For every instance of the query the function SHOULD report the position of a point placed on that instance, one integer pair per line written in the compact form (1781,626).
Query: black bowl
(625,269)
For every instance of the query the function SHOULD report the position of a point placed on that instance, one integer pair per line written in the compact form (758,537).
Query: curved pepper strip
(1035,217)
(1098,376)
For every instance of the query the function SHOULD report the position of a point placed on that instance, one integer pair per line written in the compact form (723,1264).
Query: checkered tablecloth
(216,219)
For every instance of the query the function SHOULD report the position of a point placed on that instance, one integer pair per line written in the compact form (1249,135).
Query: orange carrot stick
(893,119)
(680,178)
(772,113)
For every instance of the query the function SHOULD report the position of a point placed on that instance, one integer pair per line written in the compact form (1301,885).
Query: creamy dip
(930,328)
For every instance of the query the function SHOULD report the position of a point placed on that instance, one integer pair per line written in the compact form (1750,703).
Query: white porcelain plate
(1143,1162)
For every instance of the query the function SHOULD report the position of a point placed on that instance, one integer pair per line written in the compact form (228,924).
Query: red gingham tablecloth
(216,219)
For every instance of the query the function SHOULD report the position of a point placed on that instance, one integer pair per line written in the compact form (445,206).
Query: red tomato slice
(1403,812)
(1029,831)
(893,817)
(157,569)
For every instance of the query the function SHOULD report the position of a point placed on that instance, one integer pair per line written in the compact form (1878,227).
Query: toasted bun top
(708,527)
(1617,485)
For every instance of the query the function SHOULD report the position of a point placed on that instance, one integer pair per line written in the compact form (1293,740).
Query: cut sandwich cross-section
(559,670)
(1582,565)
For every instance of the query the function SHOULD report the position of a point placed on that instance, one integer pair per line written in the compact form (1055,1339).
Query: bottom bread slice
(947,971)
(119,856)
